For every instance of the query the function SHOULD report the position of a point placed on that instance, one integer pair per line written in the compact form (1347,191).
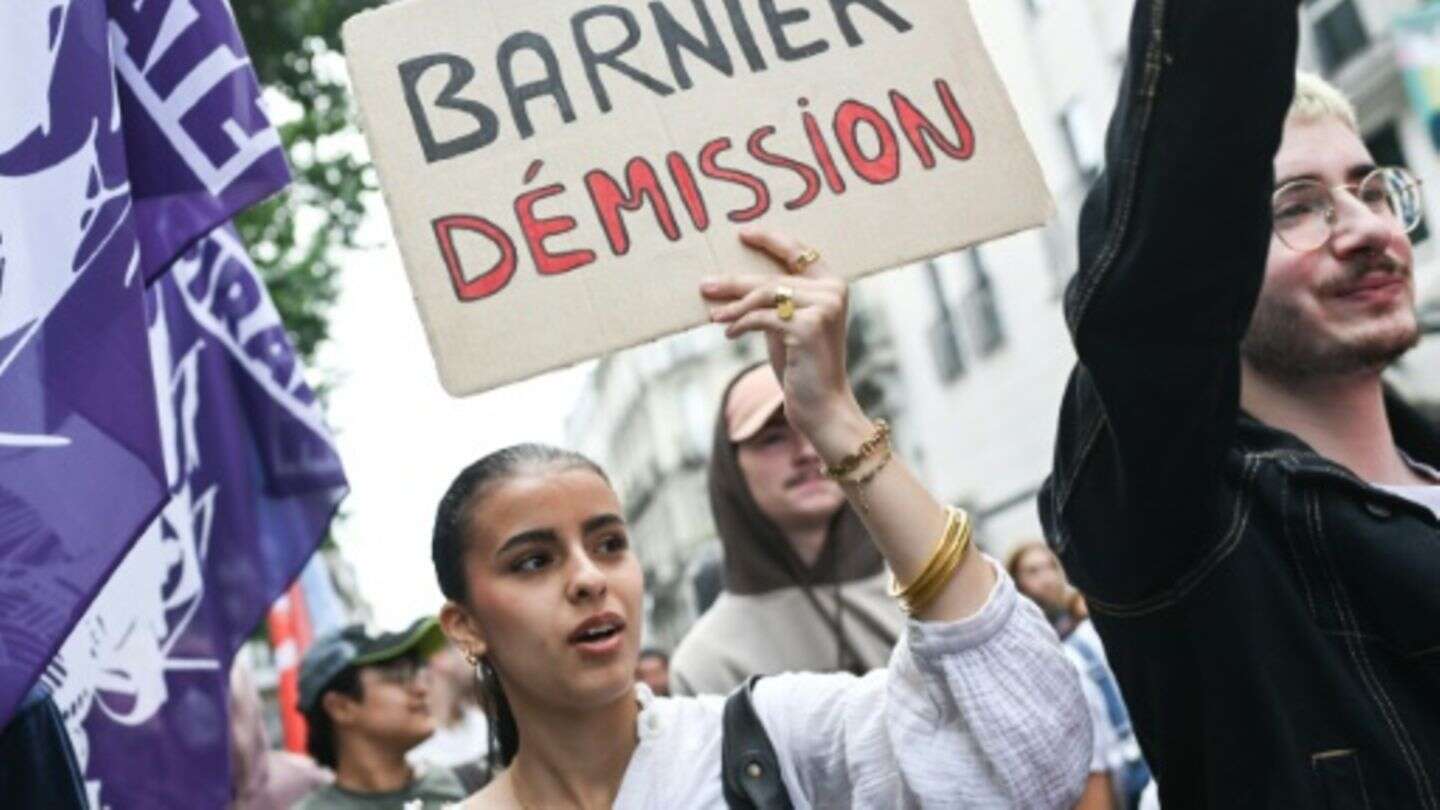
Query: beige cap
(754,398)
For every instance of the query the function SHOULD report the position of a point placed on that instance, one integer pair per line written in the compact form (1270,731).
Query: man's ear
(463,630)
(341,707)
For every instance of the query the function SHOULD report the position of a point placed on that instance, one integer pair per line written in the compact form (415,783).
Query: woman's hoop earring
(472,659)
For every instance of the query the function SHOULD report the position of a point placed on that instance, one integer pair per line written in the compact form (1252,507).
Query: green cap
(352,646)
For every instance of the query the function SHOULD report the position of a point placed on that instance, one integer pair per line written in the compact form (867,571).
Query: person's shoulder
(709,634)
(491,797)
(688,707)
(706,656)
(735,620)
(325,797)
(687,726)
(439,783)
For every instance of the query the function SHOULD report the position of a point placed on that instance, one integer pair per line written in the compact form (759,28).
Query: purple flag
(126,132)
(253,482)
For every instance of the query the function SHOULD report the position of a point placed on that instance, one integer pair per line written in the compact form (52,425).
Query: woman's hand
(808,353)
(808,349)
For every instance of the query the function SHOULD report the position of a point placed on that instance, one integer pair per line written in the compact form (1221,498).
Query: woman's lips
(606,646)
(600,634)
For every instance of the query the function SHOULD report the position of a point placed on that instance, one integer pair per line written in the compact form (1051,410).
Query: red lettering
(537,230)
(756,146)
(884,166)
(689,191)
(605,193)
(489,282)
(710,168)
(916,126)
(822,154)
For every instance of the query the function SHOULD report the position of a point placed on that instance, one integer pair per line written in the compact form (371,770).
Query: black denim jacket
(1273,620)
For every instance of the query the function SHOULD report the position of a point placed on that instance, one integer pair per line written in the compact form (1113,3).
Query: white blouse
(985,712)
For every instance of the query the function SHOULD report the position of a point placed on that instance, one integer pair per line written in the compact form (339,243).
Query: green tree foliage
(296,237)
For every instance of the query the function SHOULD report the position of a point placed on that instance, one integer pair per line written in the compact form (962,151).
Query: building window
(697,415)
(1385,148)
(967,321)
(943,336)
(1087,151)
(1057,238)
(1339,32)
(981,311)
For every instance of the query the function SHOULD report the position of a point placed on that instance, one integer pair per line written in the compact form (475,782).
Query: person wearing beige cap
(797,559)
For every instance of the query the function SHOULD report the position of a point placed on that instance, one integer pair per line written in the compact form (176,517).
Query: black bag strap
(750,770)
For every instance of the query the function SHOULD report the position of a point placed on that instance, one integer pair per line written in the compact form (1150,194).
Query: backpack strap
(750,770)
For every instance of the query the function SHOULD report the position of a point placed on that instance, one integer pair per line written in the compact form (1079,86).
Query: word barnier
(706,47)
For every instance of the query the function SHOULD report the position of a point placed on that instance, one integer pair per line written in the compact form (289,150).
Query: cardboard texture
(561,174)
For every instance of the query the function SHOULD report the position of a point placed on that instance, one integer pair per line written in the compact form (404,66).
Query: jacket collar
(1415,435)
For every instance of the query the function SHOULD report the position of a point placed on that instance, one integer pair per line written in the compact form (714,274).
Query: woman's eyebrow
(599,522)
(542,536)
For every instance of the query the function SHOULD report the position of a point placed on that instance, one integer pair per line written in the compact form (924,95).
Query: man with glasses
(364,701)
(1253,518)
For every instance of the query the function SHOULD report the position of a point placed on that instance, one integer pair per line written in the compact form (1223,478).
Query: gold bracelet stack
(946,558)
(848,470)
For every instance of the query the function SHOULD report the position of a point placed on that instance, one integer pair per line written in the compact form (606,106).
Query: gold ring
(784,302)
(807,257)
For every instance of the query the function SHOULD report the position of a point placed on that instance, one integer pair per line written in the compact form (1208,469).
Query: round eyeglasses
(1304,211)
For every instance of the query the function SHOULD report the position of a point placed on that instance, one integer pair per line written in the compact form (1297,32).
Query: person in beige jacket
(805,588)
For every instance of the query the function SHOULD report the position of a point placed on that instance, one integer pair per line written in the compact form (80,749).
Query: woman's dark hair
(447,547)
(320,729)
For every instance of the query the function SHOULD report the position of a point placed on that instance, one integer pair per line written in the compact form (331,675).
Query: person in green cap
(364,700)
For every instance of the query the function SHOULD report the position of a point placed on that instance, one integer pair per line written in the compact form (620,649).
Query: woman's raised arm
(803,317)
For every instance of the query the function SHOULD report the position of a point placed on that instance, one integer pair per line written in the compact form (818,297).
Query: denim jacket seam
(1130,168)
(1421,653)
(1087,445)
(1368,677)
(1295,552)
(1294,460)
(1193,576)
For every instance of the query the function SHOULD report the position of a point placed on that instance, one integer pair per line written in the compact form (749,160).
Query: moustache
(1345,280)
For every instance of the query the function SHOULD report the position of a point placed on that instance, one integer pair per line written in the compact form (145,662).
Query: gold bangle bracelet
(943,562)
(924,590)
(921,599)
(937,573)
(942,549)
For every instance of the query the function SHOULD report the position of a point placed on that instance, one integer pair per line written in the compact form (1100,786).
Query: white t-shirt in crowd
(463,743)
(1427,496)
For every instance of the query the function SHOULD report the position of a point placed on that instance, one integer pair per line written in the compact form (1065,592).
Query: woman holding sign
(978,707)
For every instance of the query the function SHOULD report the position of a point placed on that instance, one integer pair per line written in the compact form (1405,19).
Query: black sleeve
(37,763)
(1173,241)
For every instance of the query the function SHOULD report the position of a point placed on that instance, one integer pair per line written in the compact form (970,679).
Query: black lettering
(519,95)
(776,20)
(461,72)
(611,58)
(744,36)
(884,12)
(675,37)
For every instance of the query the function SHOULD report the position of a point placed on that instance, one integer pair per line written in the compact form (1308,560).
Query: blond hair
(1316,99)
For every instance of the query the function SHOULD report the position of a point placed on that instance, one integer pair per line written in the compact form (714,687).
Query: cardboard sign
(561,173)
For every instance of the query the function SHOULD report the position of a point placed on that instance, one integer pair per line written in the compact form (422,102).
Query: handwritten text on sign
(603,148)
